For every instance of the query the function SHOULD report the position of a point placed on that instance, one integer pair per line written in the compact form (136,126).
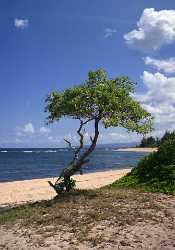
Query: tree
(157,142)
(149,142)
(167,135)
(143,143)
(98,100)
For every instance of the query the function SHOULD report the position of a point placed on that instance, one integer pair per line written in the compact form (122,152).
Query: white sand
(17,192)
(149,150)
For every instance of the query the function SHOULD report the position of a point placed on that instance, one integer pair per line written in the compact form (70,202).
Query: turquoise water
(21,164)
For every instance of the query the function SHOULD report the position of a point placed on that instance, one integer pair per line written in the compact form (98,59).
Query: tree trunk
(76,166)
(92,146)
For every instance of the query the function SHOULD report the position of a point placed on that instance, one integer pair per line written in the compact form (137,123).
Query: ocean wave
(50,151)
(33,151)
(63,150)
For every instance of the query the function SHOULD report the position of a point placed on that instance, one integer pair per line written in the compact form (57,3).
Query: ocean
(25,163)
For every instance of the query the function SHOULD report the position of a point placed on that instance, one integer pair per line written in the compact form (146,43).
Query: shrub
(155,172)
(167,135)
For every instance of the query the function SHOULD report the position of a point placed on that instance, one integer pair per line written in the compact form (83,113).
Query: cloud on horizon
(29,130)
(44,130)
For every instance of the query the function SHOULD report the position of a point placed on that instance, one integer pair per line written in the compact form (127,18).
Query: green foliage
(155,172)
(109,100)
(167,135)
(155,142)
(149,142)
(65,185)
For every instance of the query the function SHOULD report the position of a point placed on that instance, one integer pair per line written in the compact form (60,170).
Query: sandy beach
(105,219)
(17,192)
(149,150)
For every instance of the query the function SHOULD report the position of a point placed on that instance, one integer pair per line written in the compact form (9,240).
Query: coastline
(149,150)
(18,192)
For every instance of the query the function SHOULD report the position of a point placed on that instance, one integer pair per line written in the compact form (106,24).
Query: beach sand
(112,219)
(17,192)
(149,150)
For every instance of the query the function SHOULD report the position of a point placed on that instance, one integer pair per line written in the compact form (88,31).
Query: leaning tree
(99,100)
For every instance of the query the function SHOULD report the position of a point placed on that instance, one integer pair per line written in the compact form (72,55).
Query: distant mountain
(117,145)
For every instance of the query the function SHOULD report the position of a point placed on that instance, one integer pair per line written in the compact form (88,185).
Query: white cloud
(27,129)
(163,112)
(108,32)
(159,132)
(21,23)
(160,88)
(123,137)
(119,136)
(159,99)
(166,65)
(53,139)
(44,130)
(154,29)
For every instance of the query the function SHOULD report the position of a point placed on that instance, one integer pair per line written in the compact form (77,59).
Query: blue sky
(52,44)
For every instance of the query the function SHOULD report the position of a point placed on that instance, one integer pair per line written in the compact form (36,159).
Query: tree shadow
(67,197)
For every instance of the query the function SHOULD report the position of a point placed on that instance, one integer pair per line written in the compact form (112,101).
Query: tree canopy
(99,99)
(109,100)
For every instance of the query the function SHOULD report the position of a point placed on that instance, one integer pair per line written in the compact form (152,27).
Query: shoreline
(55,177)
(149,150)
(18,192)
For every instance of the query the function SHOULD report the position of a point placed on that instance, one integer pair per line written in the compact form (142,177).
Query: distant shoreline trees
(151,142)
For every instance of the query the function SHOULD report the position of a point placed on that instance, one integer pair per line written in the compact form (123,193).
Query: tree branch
(78,161)
(93,144)
(76,154)
(69,143)
(81,140)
